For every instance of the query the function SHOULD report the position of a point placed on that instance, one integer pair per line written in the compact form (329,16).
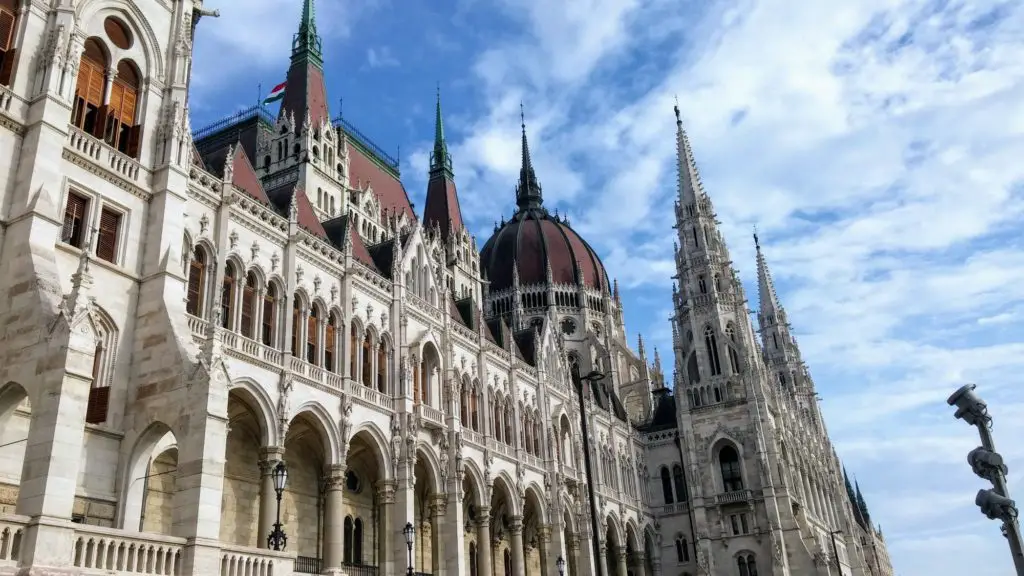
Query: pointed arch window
(702,284)
(330,341)
(734,357)
(747,565)
(367,361)
(248,304)
(474,408)
(677,477)
(347,543)
(196,279)
(729,463)
(509,415)
(269,315)
(507,557)
(296,327)
(99,394)
(666,486)
(464,405)
(357,542)
(313,336)
(353,351)
(227,298)
(682,550)
(382,366)
(712,345)
(472,559)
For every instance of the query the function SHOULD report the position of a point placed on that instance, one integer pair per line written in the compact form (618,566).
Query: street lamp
(835,551)
(988,464)
(410,534)
(592,377)
(278,539)
(560,563)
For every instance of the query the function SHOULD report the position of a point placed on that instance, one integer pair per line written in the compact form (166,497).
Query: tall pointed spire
(769,300)
(528,193)
(307,42)
(690,186)
(440,159)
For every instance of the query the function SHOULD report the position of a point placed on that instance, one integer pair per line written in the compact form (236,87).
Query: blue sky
(876,144)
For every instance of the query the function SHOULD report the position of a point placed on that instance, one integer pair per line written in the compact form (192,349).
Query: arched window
(367,361)
(509,436)
(682,550)
(196,279)
(313,336)
(507,557)
(357,542)
(729,462)
(474,400)
(382,367)
(472,559)
(296,327)
(347,544)
(677,476)
(121,130)
(329,343)
(8,27)
(248,305)
(747,565)
(718,392)
(353,347)
(227,298)
(269,315)
(464,405)
(90,88)
(782,378)
(702,284)
(712,345)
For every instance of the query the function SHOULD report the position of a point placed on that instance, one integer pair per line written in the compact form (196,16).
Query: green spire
(440,159)
(307,43)
(528,193)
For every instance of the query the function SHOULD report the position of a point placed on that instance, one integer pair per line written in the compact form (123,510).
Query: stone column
(557,547)
(385,534)
(334,520)
(269,458)
(518,558)
(623,568)
(483,542)
(547,562)
(454,530)
(639,564)
(404,512)
(602,558)
(437,513)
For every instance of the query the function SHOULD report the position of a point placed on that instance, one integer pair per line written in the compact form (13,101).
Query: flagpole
(259,95)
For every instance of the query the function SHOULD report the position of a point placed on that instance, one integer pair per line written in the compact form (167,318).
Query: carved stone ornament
(204,223)
(334,292)
(316,284)
(274,260)
(254,250)
(298,274)
(233,239)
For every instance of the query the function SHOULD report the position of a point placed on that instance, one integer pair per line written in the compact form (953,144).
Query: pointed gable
(442,207)
(339,230)
(281,198)
(365,167)
(244,177)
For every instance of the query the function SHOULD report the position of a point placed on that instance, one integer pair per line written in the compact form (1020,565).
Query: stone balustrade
(104,155)
(244,561)
(118,552)
(11,529)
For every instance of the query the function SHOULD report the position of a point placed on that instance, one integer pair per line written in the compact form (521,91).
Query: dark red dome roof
(532,240)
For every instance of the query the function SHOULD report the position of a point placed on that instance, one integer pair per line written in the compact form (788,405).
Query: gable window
(110,229)
(729,462)
(73,232)
(8,27)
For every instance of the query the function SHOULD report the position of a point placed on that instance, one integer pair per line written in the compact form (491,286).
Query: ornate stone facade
(184,310)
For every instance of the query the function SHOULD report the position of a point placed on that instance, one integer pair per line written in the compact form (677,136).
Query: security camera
(995,506)
(969,407)
(986,464)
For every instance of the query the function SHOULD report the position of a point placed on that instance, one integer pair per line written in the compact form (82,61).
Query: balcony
(432,417)
(99,152)
(11,530)
(369,395)
(734,497)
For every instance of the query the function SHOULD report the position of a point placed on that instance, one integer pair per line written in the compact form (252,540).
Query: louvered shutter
(248,295)
(195,287)
(134,141)
(74,218)
(7,25)
(268,320)
(99,403)
(110,226)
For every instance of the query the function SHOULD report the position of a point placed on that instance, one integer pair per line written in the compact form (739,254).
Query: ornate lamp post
(278,539)
(593,377)
(410,534)
(560,563)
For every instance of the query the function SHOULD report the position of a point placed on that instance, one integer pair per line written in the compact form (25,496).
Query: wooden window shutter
(110,228)
(8,20)
(7,66)
(134,141)
(74,220)
(195,287)
(329,345)
(99,129)
(268,319)
(99,403)
(295,329)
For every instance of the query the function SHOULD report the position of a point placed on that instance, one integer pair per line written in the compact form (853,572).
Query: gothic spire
(440,160)
(690,186)
(307,43)
(528,193)
(769,300)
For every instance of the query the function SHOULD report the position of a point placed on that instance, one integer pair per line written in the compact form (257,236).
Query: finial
(679,119)
(757,241)
(522,116)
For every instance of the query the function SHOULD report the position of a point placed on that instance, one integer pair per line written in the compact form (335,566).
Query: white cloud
(876,144)
(380,57)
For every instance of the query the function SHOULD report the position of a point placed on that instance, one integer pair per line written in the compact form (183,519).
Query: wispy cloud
(380,57)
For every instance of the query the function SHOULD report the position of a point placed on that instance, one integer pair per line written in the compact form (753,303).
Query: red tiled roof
(245,178)
(359,251)
(387,187)
(306,90)
(307,218)
(442,206)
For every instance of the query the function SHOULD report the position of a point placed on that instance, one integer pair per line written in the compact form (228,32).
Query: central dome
(534,240)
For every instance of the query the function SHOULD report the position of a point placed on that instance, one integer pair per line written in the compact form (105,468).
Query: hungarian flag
(276,94)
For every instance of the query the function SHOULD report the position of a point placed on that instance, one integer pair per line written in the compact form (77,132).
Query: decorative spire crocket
(528,192)
(307,43)
(440,159)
